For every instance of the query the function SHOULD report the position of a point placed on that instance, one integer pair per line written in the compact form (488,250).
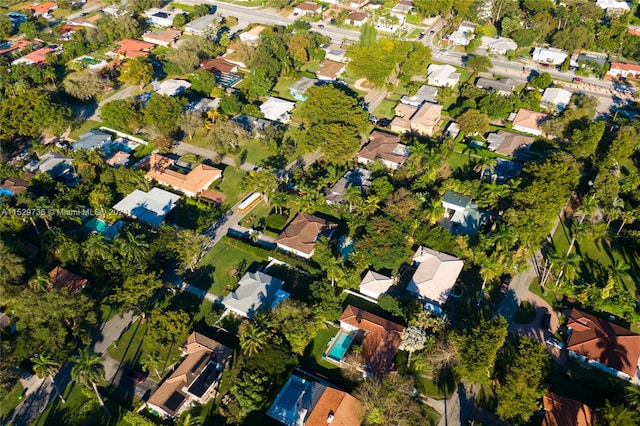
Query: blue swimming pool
(97,225)
(340,347)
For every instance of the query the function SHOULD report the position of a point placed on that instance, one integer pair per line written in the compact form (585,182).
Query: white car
(554,342)
(444,52)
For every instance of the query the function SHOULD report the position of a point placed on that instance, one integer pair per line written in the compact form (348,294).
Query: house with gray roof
(202,25)
(254,125)
(503,86)
(256,291)
(53,163)
(91,140)
(148,207)
(358,178)
(424,94)
(277,109)
(462,215)
(298,88)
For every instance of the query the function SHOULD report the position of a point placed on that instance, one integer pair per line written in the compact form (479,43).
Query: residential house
(634,31)
(334,52)
(165,171)
(196,378)
(305,401)
(63,278)
(114,10)
(161,17)
(300,236)
(503,86)
(252,36)
(463,34)
(379,339)
(499,45)
(256,291)
(358,178)
(386,148)
(619,69)
(357,18)
(203,25)
(91,140)
(202,105)
(298,88)
(462,216)
(423,120)
(130,48)
(13,186)
(253,125)
(164,38)
(424,94)
(148,207)
(277,109)
(435,275)
(549,55)
(528,121)
(42,9)
(442,75)
(172,87)
(330,70)
(358,4)
(119,158)
(401,9)
(226,72)
(507,143)
(562,411)
(13,46)
(87,22)
(603,345)
(614,7)
(506,170)
(452,130)
(37,57)
(53,163)
(307,8)
(374,284)
(557,97)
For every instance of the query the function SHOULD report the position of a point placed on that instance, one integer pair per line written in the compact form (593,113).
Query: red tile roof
(198,179)
(604,342)
(61,277)
(18,45)
(625,67)
(39,56)
(131,48)
(42,7)
(218,64)
(303,231)
(562,411)
(346,410)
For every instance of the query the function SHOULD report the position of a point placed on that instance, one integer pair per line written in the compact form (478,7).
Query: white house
(172,87)
(334,52)
(528,121)
(149,207)
(549,55)
(202,25)
(619,69)
(357,18)
(277,109)
(374,284)
(442,75)
(307,8)
(557,97)
(614,7)
(252,36)
(424,94)
(255,292)
(464,33)
(500,45)
(161,17)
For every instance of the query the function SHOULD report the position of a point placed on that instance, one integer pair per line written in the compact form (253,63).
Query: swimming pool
(341,345)
(97,225)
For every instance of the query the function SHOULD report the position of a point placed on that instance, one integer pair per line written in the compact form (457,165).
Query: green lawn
(415,33)
(464,74)
(414,19)
(386,109)
(257,215)
(12,399)
(140,152)
(311,66)
(221,268)
(83,128)
(313,363)
(256,151)
(230,186)
(281,88)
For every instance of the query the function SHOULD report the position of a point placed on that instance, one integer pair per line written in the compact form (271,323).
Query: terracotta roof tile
(562,411)
(346,410)
(61,277)
(302,232)
(198,179)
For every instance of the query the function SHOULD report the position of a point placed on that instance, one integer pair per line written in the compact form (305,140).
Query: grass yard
(83,128)
(415,33)
(230,186)
(140,152)
(313,363)
(256,151)
(12,399)
(386,109)
(222,266)
(414,19)
(281,88)
(311,66)
(255,218)
(464,74)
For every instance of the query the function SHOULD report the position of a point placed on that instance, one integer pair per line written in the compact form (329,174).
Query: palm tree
(483,164)
(279,200)
(615,210)
(45,366)
(357,350)
(334,270)
(619,270)
(352,195)
(627,216)
(578,229)
(130,247)
(587,208)
(490,269)
(40,281)
(413,339)
(433,211)
(252,338)
(616,415)
(491,194)
(569,266)
(632,396)
(151,362)
(88,371)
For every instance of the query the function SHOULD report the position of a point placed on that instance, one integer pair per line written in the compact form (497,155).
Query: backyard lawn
(222,266)
(313,363)
(281,88)
(386,109)
(84,128)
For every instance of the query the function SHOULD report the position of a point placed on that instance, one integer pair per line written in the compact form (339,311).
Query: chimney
(330,417)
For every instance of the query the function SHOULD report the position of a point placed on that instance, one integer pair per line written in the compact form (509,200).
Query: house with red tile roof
(307,8)
(300,236)
(528,121)
(63,278)
(131,48)
(563,411)
(190,182)
(45,8)
(603,345)
(218,65)
(620,69)
(37,57)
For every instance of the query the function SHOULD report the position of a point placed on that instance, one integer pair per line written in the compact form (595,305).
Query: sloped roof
(424,94)
(51,162)
(15,185)
(346,410)
(384,146)
(456,199)
(303,231)
(42,7)
(504,84)
(625,67)
(165,36)
(198,179)
(530,119)
(119,158)
(358,16)
(218,64)
(63,278)
(150,207)
(381,341)
(330,69)
(604,342)
(201,23)
(506,143)
(303,84)
(556,96)
(562,411)
(308,6)
(376,282)
(435,275)
(92,139)
(172,87)
(37,56)
(276,108)
(131,48)
(255,291)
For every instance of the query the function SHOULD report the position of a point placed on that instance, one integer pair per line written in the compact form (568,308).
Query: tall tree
(389,401)
(45,366)
(616,415)
(151,362)
(188,247)
(137,71)
(136,291)
(252,338)
(478,349)
(474,122)
(413,339)
(479,63)
(88,371)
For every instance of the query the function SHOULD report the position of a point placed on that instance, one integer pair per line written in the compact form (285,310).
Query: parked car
(546,321)
(421,36)
(552,341)
(544,65)
(444,52)
(384,122)
(138,377)
(22,155)
(321,26)
(522,58)
(577,80)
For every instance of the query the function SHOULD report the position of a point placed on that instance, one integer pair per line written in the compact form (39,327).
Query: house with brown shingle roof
(384,147)
(307,8)
(380,338)
(164,170)
(330,70)
(604,345)
(528,121)
(63,278)
(563,411)
(195,379)
(300,236)
(507,143)
(308,402)
(15,185)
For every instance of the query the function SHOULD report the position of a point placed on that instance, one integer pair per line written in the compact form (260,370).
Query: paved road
(89,7)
